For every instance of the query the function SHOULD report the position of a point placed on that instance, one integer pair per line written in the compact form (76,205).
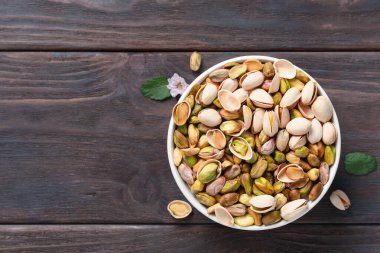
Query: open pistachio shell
(290,98)
(297,141)
(232,128)
(275,86)
(305,110)
(247,117)
(229,84)
(179,209)
(216,138)
(228,100)
(257,123)
(340,200)
(283,116)
(209,117)
(290,173)
(211,153)
(315,133)
(223,216)
(282,140)
(270,123)
(329,133)
(181,112)
(240,148)
(237,71)
(241,94)
(298,126)
(261,98)
(253,65)
(309,93)
(322,109)
(251,80)
(294,209)
(207,173)
(263,203)
(285,69)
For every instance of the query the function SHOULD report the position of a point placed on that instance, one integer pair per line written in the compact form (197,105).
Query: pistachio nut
(244,199)
(280,200)
(205,199)
(186,173)
(313,160)
(206,94)
(237,209)
(329,133)
(209,117)
(294,209)
(254,158)
(301,152)
(315,191)
(256,191)
(223,216)
(313,174)
(315,133)
(324,171)
(202,142)
(300,75)
(232,127)
(219,75)
(229,115)
(215,186)
(268,69)
(180,140)
(247,116)
(253,65)
(244,221)
(194,120)
(210,153)
(211,209)
(278,187)
(191,100)
(237,160)
(249,137)
(298,126)
(229,199)
(195,61)
(284,85)
(198,186)
(294,194)
(237,70)
(294,113)
(270,123)
(285,69)
(268,147)
(263,203)
(203,128)
(210,170)
(245,168)
(193,134)
(259,168)
(304,165)
(292,158)
(251,80)
(229,84)
(290,98)
(182,129)
(282,140)
(229,101)
(257,122)
(179,209)
(229,65)
(250,104)
(304,191)
(190,151)
(246,182)
(181,112)
(296,84)
(231,185)
(261,98)
(317,149)
(340,200)
(322,109)
(177,156)
(264,185)
(232,171)
(217,103)
(240,148)
(271,218)
(296,142)
(196,110)
(190,160)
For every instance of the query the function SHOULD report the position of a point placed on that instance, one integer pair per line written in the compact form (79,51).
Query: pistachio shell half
(305,110)
(285,69)
(216,138)
(223,216)
(297,142)
(241,94)
(290,173)
(229,84)
(179,209)
(261,98)
(228,100)
(181,112)
(324,173)
(275,85)
(209,117)
(251,80)
(283,116)
(247,117)
(253,65)
(315,133)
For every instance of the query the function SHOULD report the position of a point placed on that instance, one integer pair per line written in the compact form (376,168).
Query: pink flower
(177,85)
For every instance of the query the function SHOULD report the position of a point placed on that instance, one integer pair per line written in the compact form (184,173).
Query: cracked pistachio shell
(290,173)
(309,93)
(270,123)
(179,209)
(315,191)
(245,198)
(186,173)
(305,110)
(231,185)
(261,98)
(274,85)
(290,98)
(223,216)
(240,148)
(282,140)
(264,185)
(244,221)
(218,75)
(237,209)
(246,182)
(296,142)
(328,133)
(268,69)
(229,199)
(268,147)
(190,151)
(299,183)
(215,186)
(177,157)
(283,116)
(251,80)
(198,186)
(180,140)
(294,209)
(263,203)
(315,133)
(298,126)
(340,200)
(210,153)
(229,100)
(259,168)
(216,138)
(324,172)
(253,65)
(210,170)
(211,209)
(241,94)
(237,71)
(232,127)
(205,199)
(257,123)
(181,112)
(271,218)
(209,117)
(285,69)
(329,155)
(229,84)
(247,117)
(322,109)
(207,94)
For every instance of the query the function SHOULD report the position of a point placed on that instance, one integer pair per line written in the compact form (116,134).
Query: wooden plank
(79,144)
(189,25)
(189,238)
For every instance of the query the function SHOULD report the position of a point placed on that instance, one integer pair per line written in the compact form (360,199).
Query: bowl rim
(185,188)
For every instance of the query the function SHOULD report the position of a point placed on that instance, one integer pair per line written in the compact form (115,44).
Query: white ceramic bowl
(186,190)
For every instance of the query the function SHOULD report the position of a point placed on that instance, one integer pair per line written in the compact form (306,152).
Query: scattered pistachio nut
(340,200)
(195,61)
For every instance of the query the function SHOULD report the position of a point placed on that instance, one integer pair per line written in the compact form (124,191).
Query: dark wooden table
(83,154)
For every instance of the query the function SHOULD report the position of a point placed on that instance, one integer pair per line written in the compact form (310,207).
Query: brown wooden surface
(187,25)
(192,238)
(80,144)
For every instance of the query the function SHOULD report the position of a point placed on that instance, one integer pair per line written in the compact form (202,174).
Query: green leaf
(359,163)
(155,88)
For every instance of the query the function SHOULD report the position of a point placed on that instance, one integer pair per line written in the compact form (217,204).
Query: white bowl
(185,188)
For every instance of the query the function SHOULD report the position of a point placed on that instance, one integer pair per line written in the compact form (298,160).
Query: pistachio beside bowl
(253,144)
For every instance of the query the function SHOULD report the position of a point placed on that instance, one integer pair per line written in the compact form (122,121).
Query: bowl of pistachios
(254,143)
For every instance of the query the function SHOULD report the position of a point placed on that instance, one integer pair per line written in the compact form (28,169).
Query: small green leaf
(155,88)
(359,163)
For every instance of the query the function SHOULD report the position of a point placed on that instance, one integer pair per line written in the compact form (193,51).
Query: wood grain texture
(80,144)
(190,238)
(189,25)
